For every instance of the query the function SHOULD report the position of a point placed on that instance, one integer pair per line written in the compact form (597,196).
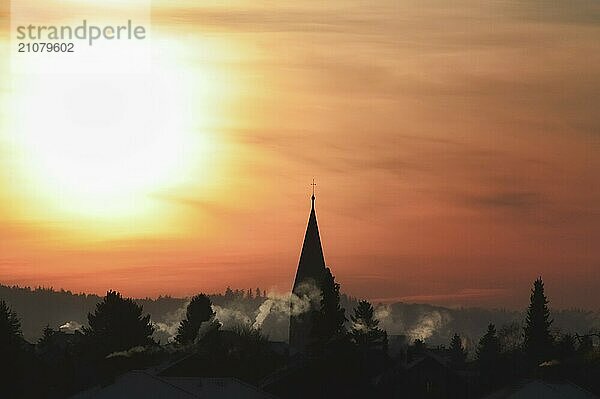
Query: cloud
(462,136)
(575,12)
(509,200)
(463,294)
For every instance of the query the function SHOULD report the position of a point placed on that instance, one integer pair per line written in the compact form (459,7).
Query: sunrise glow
(446,140)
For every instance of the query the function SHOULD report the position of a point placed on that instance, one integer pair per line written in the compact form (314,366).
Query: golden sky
(454,145)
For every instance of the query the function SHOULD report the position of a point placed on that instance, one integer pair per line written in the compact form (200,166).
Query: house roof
(542,389)
(141,384)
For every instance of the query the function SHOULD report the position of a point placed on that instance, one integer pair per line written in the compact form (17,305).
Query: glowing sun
(99,145)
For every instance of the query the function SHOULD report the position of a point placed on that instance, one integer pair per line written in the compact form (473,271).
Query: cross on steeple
(313,192)
(310,272)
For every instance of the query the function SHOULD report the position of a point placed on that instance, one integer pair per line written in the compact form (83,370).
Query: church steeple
(312,261)
(311,267)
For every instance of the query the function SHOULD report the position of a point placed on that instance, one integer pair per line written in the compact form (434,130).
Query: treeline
(531,349)
(348,355)
(118,337)
(41,306)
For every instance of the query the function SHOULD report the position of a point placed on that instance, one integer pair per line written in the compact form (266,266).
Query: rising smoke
(71,326)
(271,314)
(277,308)
(419,323)
(294,304)
(168,326)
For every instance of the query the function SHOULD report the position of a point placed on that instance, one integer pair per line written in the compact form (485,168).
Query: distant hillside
(37,307)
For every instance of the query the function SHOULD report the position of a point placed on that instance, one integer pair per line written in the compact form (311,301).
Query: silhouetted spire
(312,261)
(311,268)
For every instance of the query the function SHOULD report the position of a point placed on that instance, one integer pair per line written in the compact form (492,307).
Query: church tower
(307,285)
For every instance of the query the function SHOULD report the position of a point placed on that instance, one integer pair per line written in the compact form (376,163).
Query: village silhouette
(329,351)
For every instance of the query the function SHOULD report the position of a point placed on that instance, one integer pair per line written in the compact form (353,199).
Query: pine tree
(198,311)
(11,351)
(488,351)
(10,329)
(117,324)
(458,354)
(365,331)
(329,320)
(47,334)
(537,339)
(11,336)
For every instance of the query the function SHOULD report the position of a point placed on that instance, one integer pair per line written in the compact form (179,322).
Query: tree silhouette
(241,352)
(329,320)
(198,311)
(11,342)
(47,334)
(458,354)
(488,352)
(537,339)
(117,324)
(365,331)
(10,327)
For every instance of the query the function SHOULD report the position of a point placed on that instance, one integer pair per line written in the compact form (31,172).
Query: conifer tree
(537,339)
(198,311)
(488,351)
(458,354)
(117,324)
(11,344)
(10,326)
(47,334)
(10,329)
(365,331)
(329,320)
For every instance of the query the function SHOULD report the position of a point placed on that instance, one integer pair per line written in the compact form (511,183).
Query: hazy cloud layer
(454,145)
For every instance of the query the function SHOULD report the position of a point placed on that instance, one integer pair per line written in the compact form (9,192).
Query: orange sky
(455,149)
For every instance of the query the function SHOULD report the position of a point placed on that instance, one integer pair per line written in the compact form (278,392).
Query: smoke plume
(414,322)
(278,305)
(168,327)
(71,326)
